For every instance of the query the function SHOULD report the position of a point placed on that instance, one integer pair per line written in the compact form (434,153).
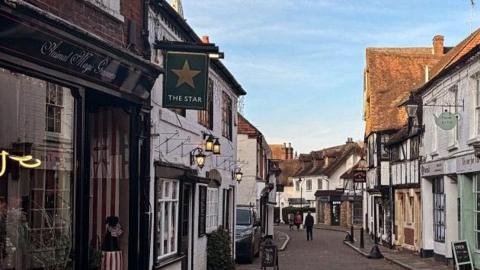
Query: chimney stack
(349,140)
(206,39)
(438,45)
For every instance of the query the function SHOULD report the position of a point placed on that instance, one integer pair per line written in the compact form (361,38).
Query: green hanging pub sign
(186,78)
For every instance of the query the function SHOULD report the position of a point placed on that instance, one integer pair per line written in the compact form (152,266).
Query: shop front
(72,145)
(440,218)
(468,168)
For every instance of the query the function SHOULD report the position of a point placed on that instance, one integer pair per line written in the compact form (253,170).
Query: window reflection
(36,118)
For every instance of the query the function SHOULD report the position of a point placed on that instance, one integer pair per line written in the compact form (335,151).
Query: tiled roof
(245,127)
(288,169)
(278,151)
(456,52)
(390,75)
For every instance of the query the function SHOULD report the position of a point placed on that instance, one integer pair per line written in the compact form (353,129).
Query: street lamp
(301,193)
(209,144)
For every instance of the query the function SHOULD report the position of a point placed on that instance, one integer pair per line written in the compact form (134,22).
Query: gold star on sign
(185,75)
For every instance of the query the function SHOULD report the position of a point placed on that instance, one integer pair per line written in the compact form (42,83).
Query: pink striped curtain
(109,169)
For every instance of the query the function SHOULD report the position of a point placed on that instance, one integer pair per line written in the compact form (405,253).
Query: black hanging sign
(52,49)
(360,177)
(461,254)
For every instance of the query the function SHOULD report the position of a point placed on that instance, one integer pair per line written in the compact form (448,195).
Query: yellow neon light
(26,161)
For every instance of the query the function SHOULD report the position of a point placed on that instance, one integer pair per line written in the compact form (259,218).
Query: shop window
(166,213)
(54,107)
(202,210)
(308,185)
(36,229)
(476,209)
(205,118)
(439,217)
(227,115)
(212,210)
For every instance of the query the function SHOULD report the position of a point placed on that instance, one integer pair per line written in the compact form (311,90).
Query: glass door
(109,194)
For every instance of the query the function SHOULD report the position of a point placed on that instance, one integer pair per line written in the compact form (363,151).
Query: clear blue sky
(301,61)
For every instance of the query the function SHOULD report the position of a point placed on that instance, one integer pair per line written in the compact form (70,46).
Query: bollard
(362,241)
(352,234)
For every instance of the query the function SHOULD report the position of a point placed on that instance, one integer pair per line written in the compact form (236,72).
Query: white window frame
(308,185)
(476,193)
(476,100)
(454,133)
(212,210)
(169,191)
(112,7)
(319,184)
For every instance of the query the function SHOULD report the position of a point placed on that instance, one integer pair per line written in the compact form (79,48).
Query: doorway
(336,213)
(108,127)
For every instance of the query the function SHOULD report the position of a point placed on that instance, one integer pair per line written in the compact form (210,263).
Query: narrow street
(326,251)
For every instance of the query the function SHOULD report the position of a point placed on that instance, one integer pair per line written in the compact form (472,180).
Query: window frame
(476,209)
(56,106)
(160,202)
(227,116)
(114,11)
(439,209)
(205,117)
(212,214)
(308,185)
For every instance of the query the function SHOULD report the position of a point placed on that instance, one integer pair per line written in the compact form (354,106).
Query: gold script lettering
(26,161)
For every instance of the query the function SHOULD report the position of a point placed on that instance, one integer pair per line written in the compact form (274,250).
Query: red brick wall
(97,21)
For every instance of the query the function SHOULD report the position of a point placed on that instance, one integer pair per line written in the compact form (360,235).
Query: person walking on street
(298,220)
(290,221)
(309,225)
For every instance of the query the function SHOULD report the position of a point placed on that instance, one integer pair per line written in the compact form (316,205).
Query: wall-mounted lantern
(237,175)
(216,147)
(197,157)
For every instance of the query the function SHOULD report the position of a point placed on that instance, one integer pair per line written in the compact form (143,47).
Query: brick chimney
(438,45)
(205,39)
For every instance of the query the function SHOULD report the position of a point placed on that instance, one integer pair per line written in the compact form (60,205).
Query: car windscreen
(243,217)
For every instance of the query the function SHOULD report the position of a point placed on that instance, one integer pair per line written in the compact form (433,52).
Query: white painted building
(189,202)
(448,177)
(254,160)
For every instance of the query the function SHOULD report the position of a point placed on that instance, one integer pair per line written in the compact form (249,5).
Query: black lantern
(197,156)
(209,144)
(216,147)
(237,174)
(411,107)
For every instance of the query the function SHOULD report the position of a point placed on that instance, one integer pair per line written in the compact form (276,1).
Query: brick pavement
(405,258)
(326,251)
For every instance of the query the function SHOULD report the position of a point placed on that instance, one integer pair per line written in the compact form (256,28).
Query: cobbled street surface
(326,251)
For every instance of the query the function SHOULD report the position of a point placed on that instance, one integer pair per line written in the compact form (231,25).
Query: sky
(301,61)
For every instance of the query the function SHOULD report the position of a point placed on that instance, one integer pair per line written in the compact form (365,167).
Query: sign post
(461,254)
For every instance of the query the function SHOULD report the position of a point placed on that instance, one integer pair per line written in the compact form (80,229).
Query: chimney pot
(205,39)
(438,45)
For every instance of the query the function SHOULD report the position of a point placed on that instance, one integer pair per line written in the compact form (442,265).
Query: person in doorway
(309,226)
(290,221)
(298,220)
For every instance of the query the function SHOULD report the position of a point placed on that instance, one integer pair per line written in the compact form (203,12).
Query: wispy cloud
(301,61)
